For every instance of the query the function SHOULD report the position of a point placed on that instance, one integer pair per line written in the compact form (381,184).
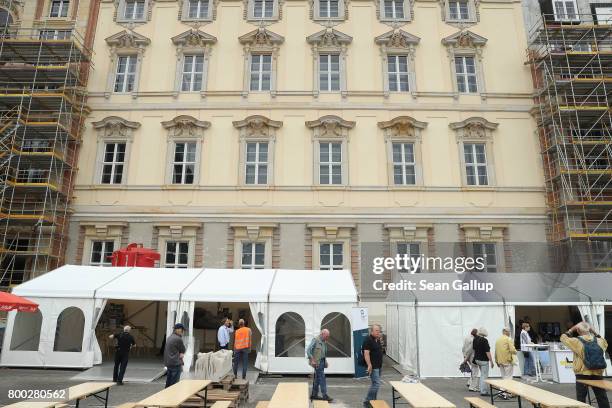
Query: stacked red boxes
(135,255)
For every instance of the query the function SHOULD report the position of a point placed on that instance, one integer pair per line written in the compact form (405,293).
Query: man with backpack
(589,361)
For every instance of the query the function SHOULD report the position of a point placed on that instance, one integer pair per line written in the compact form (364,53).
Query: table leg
(206,396)
(519,401)
(393,396)
(491,390)
(106,400)
(589,395)
(77,403)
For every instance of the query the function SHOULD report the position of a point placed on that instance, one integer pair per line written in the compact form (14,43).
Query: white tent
(314,298)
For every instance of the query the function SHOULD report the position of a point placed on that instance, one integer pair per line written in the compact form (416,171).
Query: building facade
(287,133)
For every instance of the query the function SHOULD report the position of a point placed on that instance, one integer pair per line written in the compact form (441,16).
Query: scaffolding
(571,63)
(43,76)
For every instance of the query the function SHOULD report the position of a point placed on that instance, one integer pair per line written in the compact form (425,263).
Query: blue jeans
(374,386)
(319,379)
(241,355)
(529,366)
(484,374)
(173,375)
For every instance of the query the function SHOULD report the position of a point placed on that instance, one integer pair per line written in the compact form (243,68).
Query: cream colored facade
(293,213)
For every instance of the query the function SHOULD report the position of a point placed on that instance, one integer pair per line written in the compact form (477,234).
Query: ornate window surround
(395,22)
(113,129)
(404,129)
(256,128)
(196,22)
(343,12)
(100,231)
(125,43)
(261,41)
(408,233)
(329,41)
(473,10)
(398,42)
(340,233)
(179,231)
(248,14)
(256,233)
(466,43)
(476,130)
(120,7)
(192,42)
(486,233)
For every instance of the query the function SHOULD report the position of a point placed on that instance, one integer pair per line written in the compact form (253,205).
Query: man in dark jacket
(173,355)
(125,342)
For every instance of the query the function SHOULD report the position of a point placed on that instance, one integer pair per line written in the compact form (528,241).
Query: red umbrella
(9,302)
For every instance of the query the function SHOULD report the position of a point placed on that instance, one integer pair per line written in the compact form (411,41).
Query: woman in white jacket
(468,355)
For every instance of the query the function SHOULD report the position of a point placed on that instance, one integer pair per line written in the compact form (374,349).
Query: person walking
(224,332)
(373,357)
(529,365)
(242,347)
(468,357)
(173,355)
(589,360)
(317,358)
(505,353)
(125,342)
(482,357)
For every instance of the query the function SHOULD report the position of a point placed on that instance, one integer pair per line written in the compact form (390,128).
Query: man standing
(504,357)
(468,357)
(173,355)
(482,357)
(317,358)
(373,356)
(223,334)
(529,365)
(589,362)
(125,341)
(242,347)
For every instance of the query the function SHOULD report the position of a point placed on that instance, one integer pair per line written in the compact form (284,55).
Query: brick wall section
(80,247)
(155,245)
(507,252)
(431,244)
(308,250)
(198,260)
(230,248)
(276,248)
(125,236)
(355,249)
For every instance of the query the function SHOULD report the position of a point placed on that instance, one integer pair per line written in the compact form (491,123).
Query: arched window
(340,336)
(26,331)
(69,330)
(290,336)
(6,19)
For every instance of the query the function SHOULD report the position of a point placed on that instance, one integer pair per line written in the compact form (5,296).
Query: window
(69,330)
(253,255)
(565,10)
(339,341)
(290,336)
(330,163)
(394,9)
(134,10)
(101,252)
(193,71)
(475,164)
(329,8)
(261,72)
(329,72)
(263,8)
(465,70)
(458,10)
(126,73)
(59,8)
(413,251)
(198,9)
(601,255)
(184,163)
(397,66)
(113,163)
(54,34)
(331,256)
(26,331)
(486,250)
(404,166)
(256,171)
(177,254)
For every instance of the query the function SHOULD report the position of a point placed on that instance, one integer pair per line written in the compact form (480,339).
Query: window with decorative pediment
(261,48)
(486,241)
(330,147)
(464,50)
(331,246)
(115,137)
(257,139)
(193,49)
(100,240)
(329,51)
(177,244)
(397,49)
(253,245)
(184,149)
(475,145)
(460,13)
(130,12)
(127,50)
(411,240)
(403,140)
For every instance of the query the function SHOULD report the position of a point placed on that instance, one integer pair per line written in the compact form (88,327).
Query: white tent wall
(337,365)
(296,362)
(259,311)
(401,335)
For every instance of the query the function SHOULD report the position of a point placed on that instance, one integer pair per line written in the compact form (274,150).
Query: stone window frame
(398,42)
(333,42)
(179,231)
(249,12)
(466,43)
(260,41)
(100,231)
(473,10)
(408,13)
(125,43)
(486,233)
(256,128)
(343,12)
(69,13)
(255,233)
(400,233)
(404,129)
(323,234)
(330,128)
(120,8)
(476,129)
(113,129)
(184,128)
(195,22)
(192,42)
(15,11)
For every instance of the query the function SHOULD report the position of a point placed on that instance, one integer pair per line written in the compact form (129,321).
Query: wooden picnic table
(176,394)
(36,404)
(81,391)
(418,395)
(537,396)
(290,395)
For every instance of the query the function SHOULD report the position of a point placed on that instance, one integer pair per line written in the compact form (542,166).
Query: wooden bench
(262,404)
(379,404)
(418,395)
(36,404)
(320,404)
(98,390)
(127,405)
(536,396)
(478,403)
(221,404)
(290,395)
(176,394)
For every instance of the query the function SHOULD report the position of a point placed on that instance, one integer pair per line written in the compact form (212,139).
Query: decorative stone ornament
(330,126)
(257,126)
(115,127)
(185,126)
(402,127)
(474,128)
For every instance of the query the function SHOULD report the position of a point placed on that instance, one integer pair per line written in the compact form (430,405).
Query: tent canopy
(230,285)
(298,286)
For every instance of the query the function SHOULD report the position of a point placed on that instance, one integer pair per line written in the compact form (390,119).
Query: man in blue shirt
(223,334)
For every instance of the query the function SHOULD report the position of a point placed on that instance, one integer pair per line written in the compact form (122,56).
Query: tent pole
(156,324)
(416,325)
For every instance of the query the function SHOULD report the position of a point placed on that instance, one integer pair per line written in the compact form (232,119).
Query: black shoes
(327,398)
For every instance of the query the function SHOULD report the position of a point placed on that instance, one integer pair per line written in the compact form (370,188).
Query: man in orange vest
(242,346)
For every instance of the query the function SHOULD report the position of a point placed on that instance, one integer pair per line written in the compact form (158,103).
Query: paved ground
(347,391)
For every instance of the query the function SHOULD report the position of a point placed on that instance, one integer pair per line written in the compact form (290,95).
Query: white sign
(359,317)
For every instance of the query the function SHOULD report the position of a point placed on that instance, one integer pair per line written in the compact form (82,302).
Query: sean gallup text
(424,285)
